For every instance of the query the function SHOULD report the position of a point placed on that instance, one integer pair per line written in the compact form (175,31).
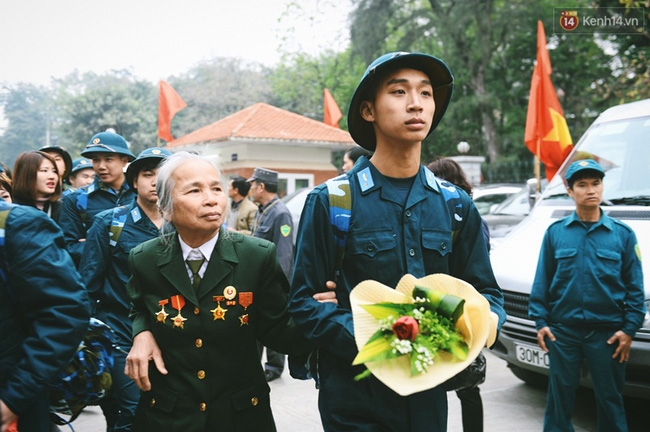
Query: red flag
(169,103)
(547,134)
(332,112)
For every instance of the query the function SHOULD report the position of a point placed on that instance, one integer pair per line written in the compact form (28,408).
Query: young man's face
(145,185)
(231,191)
(60,162)
(82,178)
(109,167)
(403,109)
(587,192)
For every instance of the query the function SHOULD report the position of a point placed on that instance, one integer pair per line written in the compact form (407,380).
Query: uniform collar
(604,220)
(97,184)
(206,248)
(268,204)
(370,179)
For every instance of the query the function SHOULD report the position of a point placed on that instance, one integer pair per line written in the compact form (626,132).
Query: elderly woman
(201,298)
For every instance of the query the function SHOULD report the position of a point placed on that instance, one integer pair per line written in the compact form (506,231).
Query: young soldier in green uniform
(105,270)
(272,222)
(44,313)
(587,302)
(402,220)
(110,154)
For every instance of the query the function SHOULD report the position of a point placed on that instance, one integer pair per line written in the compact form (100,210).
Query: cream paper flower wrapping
(477,325)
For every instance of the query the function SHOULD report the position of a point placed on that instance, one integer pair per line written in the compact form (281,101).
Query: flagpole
(537,166)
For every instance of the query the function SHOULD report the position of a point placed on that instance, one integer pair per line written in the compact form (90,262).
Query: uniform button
(408,213)
(196,311)
(153,402)
(200,374)
(254,401)
(202,406)
(412,252)
(370,247)
(199,343)
(443,246)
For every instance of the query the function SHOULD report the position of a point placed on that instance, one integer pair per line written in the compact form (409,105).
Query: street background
(508,404)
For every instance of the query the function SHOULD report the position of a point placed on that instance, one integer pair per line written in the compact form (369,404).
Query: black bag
(470,377)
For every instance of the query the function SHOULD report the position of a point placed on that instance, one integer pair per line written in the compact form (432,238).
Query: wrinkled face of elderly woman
(199,199)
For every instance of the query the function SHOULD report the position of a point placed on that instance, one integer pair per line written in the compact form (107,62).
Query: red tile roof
(263,121)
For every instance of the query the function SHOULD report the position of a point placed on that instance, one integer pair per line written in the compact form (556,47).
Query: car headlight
(646,319)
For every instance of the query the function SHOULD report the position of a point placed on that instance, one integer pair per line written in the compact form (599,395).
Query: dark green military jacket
(215,380)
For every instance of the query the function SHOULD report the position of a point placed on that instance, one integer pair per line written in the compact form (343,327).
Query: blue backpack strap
(117,223)
(340,199)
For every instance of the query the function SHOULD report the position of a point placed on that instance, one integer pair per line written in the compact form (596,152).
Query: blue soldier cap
(151,154)
(439,74)
(64,154)
(81,164)
(264,175)
(581,165)
(108,142)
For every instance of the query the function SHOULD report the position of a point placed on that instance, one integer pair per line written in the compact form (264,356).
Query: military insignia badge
(155,151)
(162,315)
(243,320)
(229,292)
(637,250)
(96,141)
(178,301)
(245,299)
(219,312)
(285,230)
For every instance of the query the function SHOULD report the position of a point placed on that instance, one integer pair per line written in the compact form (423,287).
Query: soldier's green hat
(151,154)
(439,74)
(108,142)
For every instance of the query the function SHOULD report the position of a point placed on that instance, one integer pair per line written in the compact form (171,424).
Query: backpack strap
(117,223)
(340,214)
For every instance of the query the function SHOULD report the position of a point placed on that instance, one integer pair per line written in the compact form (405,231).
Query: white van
(619,140)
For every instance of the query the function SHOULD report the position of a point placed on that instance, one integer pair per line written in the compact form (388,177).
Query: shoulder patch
(285,230)
(637,250)
(365,179)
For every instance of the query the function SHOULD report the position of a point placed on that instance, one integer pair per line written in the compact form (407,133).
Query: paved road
(509,405)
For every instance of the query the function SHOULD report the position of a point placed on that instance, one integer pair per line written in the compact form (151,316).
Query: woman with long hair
(36,183)
(5,187)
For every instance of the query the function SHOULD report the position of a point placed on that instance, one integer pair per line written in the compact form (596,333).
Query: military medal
(178,301)
(230,293)
(219,312)
(245,299)
(161,316)
(243,320)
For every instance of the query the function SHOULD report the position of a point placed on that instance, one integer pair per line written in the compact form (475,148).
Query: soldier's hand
(327,296)
(624,344)
(8,416)
(144,350)
(541,334)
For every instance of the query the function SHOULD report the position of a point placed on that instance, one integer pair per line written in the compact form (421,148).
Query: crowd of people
(195,286)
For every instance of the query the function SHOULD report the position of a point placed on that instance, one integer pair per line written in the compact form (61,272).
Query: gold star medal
(161,316)
(243,320)
(178,301)
(219,312)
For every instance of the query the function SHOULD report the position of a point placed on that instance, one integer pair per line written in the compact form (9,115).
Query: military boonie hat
(81,164)
(155,153)
(439,74)
(108,142)
(64,154)
(581,165)
(264,175)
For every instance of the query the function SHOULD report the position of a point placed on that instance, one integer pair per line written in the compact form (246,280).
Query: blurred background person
(36,183)
(82,174)
(351,156)
(470,398)
(63,162)
(242,210)
(5,187)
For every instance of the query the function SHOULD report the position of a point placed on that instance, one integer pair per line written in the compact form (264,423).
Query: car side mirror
(533,195)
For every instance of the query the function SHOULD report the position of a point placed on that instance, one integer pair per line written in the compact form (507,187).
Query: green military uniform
(215,380)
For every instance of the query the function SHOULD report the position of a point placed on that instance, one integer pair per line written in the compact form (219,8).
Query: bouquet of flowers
(420,334)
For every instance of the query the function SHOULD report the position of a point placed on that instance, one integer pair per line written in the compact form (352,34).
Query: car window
(484,202)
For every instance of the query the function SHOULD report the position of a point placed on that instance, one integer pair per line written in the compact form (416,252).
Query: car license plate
(532,356)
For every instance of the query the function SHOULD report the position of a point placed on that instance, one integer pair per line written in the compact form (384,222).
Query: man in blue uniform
(403,220)
(105,270)
(82,174)
(587,302)
(110,154)
(44,313)
(273,223)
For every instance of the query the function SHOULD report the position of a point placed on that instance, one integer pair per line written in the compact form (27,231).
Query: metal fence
(510,171)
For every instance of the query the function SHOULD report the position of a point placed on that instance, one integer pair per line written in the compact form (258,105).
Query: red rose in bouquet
(406,327)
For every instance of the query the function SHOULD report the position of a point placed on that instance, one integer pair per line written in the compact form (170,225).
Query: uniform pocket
(252,408)
(437,241)
(609,263)
(156,411)
(371,243)
(565,259)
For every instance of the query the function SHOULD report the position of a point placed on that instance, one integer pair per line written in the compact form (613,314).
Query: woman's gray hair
(165,185)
